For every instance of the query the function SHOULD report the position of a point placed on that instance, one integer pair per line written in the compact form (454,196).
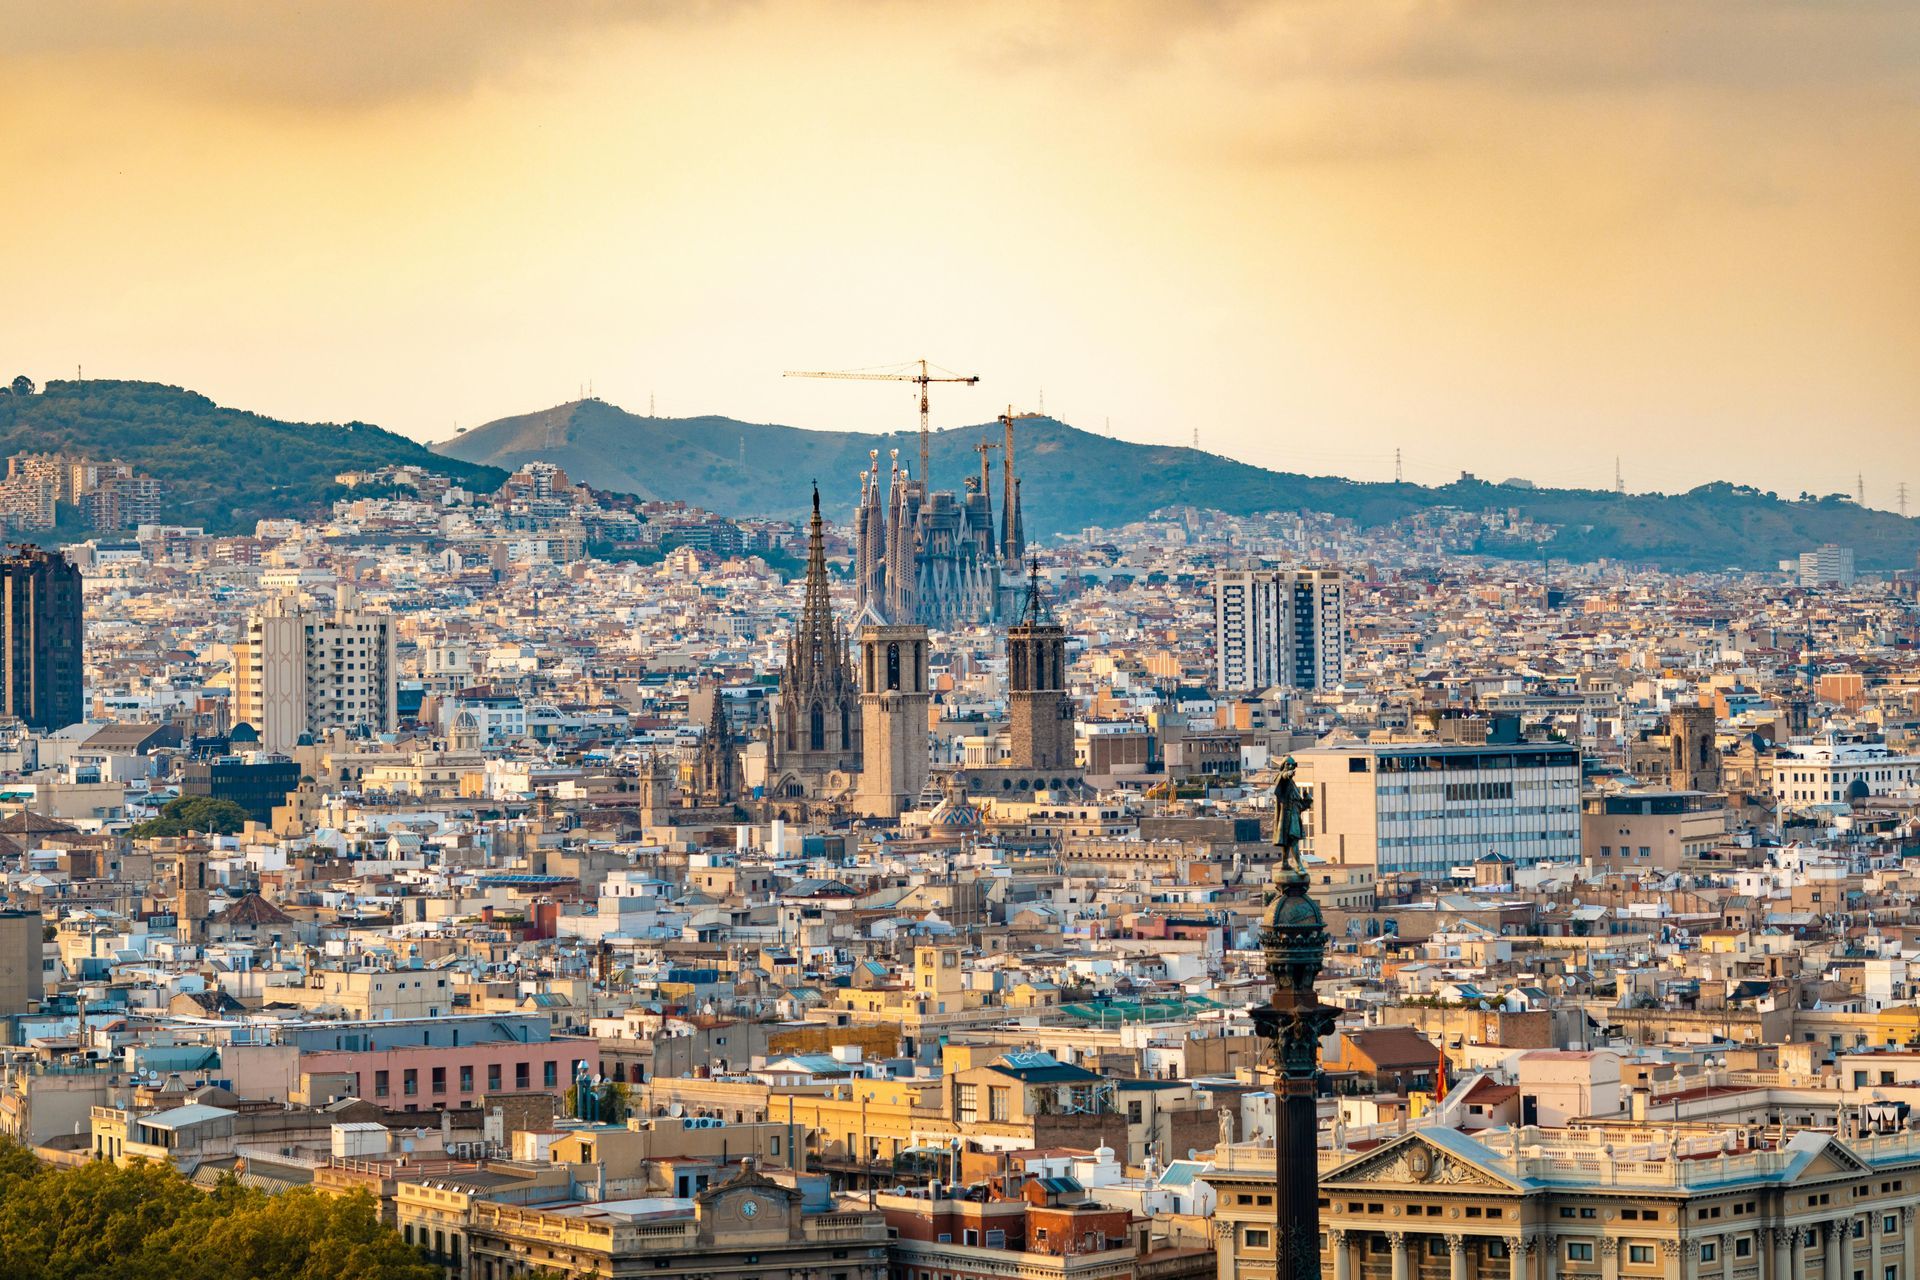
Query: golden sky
(1514,238)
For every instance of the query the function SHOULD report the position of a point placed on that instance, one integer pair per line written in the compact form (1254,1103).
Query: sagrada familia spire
(935,558)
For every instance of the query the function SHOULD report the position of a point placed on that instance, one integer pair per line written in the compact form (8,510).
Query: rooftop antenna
(1196,436)
(1398,475)
(1902,495)
(1860,487)
(1619,482)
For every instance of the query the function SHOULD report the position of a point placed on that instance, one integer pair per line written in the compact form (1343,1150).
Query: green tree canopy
(149,1223)
(184,814)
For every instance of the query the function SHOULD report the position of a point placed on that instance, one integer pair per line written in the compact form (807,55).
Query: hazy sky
(1516,238)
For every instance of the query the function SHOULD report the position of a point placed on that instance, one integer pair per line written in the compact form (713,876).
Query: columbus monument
(1293,934)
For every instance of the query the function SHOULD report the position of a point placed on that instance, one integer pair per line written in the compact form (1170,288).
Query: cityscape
(932,840)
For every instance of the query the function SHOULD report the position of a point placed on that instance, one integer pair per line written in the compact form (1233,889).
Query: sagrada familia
(935,559)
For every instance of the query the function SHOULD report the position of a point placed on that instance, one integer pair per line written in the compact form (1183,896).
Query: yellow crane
(924,375)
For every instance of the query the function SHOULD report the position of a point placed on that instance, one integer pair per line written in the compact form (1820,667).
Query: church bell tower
(893,719)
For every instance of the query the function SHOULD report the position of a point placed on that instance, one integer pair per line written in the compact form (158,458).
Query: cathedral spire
(814,636)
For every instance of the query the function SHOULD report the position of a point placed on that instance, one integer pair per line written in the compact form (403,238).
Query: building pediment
(1415,1162)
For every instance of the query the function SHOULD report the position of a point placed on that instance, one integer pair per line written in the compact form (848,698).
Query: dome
(955,812)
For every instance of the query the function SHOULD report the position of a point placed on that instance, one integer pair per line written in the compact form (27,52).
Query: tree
(23,385)
(184,814)
(147,1222)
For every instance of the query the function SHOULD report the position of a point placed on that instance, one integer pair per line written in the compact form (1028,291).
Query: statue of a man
(1290,804)
(1226,1128)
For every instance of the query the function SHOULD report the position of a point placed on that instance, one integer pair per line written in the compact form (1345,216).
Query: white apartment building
(1828,565)
(303,670)
(1425,807)
(1828,771)
(1284,628)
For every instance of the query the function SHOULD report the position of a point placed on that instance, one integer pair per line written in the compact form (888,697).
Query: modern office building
(1283,628)
(1827,566)
(40,627)
(1424,808)
(303,671)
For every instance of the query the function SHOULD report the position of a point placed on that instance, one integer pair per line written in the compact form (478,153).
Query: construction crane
(1009,482)
(927,374)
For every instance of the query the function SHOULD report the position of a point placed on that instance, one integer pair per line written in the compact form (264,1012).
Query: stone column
(1226,1240)
(1517,1250)
(1398,1239)
(1908,1257)
(1797,1253)
(1549,1257)
(1778,1241)
(1670,1251)
(1837,1250)
(1609,1259)
(1342,1261)
(1457,1257)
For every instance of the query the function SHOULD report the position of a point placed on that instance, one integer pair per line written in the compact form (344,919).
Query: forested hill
(1072,479)
(221,468)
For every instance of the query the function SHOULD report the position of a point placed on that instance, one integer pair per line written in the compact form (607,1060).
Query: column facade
(1342,1259)
(1398,1239)
(1457,1257)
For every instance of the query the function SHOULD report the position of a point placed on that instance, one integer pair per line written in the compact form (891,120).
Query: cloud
(347,53)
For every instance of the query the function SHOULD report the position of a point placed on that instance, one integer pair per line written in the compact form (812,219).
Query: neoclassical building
(1612,1203)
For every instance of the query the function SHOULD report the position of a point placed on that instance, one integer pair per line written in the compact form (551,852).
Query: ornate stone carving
(1609,1247)
(1420,1164)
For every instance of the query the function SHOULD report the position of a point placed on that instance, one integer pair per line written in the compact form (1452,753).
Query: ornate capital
(1906,1215)
(1670,1247)
(1456,1243)
(1397,1239)
(1609,1247)
(1522,1245)
(1222,1228)
(1337,1237)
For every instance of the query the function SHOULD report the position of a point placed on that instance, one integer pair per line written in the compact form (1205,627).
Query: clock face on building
(749,1208)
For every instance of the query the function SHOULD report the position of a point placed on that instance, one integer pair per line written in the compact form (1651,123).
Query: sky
(1519,239)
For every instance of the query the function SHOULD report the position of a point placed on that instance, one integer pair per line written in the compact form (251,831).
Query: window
(1253,1238)
(493,1076)
(1579,1251)
(410,1081)
(466,1079)
(1436,1247)
(1640,1254)
(380,1084)
(439,1079)
(997,1102)
(522,1075)
(1708,1251)
(1889,1224)
(1743,1247)
(1496,1248)
(549,1074)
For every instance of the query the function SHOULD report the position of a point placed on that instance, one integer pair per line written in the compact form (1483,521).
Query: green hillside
(222,468)
(1074,478)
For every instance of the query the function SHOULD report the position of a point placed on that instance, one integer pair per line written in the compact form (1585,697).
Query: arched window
(893,664)
(817,728)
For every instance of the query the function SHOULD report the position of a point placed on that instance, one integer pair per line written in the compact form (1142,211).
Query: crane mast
(923,376)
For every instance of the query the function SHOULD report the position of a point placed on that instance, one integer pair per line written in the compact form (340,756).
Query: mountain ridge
(1073,478)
